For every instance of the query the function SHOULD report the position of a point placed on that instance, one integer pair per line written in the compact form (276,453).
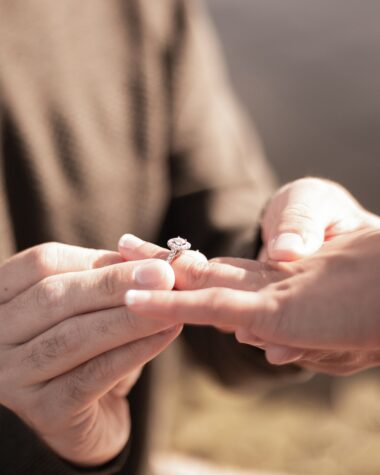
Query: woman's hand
(69,349)
(304,214)
(322,311)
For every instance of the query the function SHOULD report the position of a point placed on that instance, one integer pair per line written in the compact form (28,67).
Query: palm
(102,428)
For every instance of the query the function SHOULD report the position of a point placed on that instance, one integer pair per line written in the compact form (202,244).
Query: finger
(193,271)
(79,339)
(263,255)
(60,297)
(282,355)
(245,336)
(95,378)
(133,248)
(305,213)
(29,267)
(216,306)
(233,273)
(295,221)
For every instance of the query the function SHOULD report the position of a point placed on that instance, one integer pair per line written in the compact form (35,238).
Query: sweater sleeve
(220,181)
(35,457)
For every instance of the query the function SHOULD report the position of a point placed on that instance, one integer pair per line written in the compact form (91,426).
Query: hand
(322,311)
(69,349)
(304,214)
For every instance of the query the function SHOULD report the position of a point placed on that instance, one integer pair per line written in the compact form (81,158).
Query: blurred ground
(317,428)
(309,73)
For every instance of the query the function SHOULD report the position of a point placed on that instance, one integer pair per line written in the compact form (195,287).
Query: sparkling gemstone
(179,244)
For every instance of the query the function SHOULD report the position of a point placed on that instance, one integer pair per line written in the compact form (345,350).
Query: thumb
(295,221)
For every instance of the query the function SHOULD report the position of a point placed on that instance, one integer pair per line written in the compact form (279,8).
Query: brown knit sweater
(115,117)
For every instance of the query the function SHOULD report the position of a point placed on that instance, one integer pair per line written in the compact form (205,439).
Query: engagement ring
(176,246)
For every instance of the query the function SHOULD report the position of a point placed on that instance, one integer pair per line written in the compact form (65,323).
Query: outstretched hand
(321,311)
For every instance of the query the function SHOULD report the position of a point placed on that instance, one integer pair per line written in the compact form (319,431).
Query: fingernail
(287,242)
(137,297)
(245,336)
(153,274)
(281,355)
(129,241)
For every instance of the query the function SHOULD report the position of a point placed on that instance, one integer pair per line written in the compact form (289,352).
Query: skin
(72,351)
(321,310)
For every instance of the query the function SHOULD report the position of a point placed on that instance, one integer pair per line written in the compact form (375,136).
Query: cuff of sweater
(22,452)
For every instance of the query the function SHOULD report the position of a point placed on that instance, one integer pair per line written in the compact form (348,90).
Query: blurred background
(309,74)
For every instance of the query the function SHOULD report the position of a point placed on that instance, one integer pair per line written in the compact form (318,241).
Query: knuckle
(110,279)
(282,326)
(45,258)
(117,320)
(298,212)
(65,340)
(198,274)
(128,320)
(137,350)
(97,369)
(49,293)
(219,299)
(74,391)
(273,321)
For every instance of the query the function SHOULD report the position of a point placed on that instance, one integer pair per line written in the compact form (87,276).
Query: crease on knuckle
(299,212)
(128,320)
(272,323)
(97,369)
(81,382)
(197,274)
(110,281)
(63,342)
(284,327)
(119,321)
(218,299)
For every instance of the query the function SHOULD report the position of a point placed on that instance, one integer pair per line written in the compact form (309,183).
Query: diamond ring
(176,246)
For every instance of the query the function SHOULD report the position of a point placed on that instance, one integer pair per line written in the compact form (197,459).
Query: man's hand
(69,349)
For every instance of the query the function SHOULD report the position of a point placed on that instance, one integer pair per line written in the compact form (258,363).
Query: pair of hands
(72,350)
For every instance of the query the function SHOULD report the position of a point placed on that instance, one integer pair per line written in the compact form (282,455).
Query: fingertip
(154,274)
(286,247)
(282,355)
(291,246)
(128,242)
